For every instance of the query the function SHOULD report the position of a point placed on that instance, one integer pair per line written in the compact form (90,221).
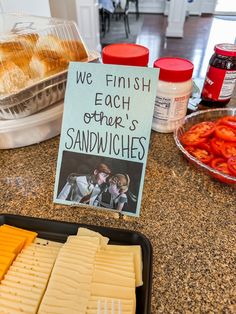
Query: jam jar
(220,79)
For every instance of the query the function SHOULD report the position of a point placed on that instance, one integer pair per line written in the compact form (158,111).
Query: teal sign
(105,136)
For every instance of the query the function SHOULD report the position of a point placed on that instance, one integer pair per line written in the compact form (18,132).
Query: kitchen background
(184,28)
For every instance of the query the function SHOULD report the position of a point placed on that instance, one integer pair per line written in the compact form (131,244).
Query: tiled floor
(197,45)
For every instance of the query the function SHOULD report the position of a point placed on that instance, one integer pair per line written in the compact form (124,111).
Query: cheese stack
(12,240)
(26,280)
(114,278)
(70,283)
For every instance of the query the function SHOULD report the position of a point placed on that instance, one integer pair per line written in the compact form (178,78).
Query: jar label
(219,84)
(170,109)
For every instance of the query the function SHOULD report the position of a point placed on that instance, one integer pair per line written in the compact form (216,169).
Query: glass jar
(221,76)
(174,88)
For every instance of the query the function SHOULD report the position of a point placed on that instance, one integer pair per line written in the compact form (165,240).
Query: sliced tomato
(226,133)
(191,139)
(229,149)
(221,165)
(232,165)
(201,152)
(229,121)
(203,129)
(217,145)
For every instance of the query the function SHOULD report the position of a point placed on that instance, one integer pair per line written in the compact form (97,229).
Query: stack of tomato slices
(213,143)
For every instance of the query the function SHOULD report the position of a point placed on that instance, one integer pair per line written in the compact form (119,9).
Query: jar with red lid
(174,88)
(125,54)
(221,76)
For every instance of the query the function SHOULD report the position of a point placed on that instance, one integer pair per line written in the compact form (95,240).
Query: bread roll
(71,50)
(12,78)
(8,50)
(50,42)
(28,40)
(74,50)
(46,62)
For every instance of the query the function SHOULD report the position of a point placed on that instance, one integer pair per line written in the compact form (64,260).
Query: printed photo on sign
(99,181)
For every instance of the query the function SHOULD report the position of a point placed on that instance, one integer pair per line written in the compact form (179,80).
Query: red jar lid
(174,69)
(125,54)
(226,50)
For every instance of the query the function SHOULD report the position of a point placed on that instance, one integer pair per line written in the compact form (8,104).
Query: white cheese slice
(73,274)
(112,291)
(87,232)
(137,250)
(117,271)
(107,277)
(128,268)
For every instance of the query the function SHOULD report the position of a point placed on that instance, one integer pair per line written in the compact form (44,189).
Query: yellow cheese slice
(9,248)
(34,278)
(17,244)
(24,281)
(30,235)
(41,269)
(18,299)
(48,243)
(47,309)
(21,286)
(20,292)
(20,307)
(29,272)
(27,261)
(10,310)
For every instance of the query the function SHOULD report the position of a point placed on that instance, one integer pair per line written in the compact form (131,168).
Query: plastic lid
(125,54)
(226,49)
(174,69)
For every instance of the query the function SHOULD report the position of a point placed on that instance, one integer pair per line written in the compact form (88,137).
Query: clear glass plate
(197,117)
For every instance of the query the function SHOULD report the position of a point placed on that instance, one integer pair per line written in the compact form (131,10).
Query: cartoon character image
(85,188)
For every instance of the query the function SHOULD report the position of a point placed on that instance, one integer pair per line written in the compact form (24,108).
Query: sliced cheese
(30,235)
(112,291)
(87,232)
(108,277)
(137,250)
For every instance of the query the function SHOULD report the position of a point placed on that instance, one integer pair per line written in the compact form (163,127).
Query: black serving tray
(59,231)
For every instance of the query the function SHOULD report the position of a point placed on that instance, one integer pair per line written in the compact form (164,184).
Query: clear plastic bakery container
(32,129)
(34,55)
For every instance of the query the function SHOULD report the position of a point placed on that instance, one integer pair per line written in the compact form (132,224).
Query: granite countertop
(189,218)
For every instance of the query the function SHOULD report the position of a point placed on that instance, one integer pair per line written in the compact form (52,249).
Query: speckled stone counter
(189,218)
